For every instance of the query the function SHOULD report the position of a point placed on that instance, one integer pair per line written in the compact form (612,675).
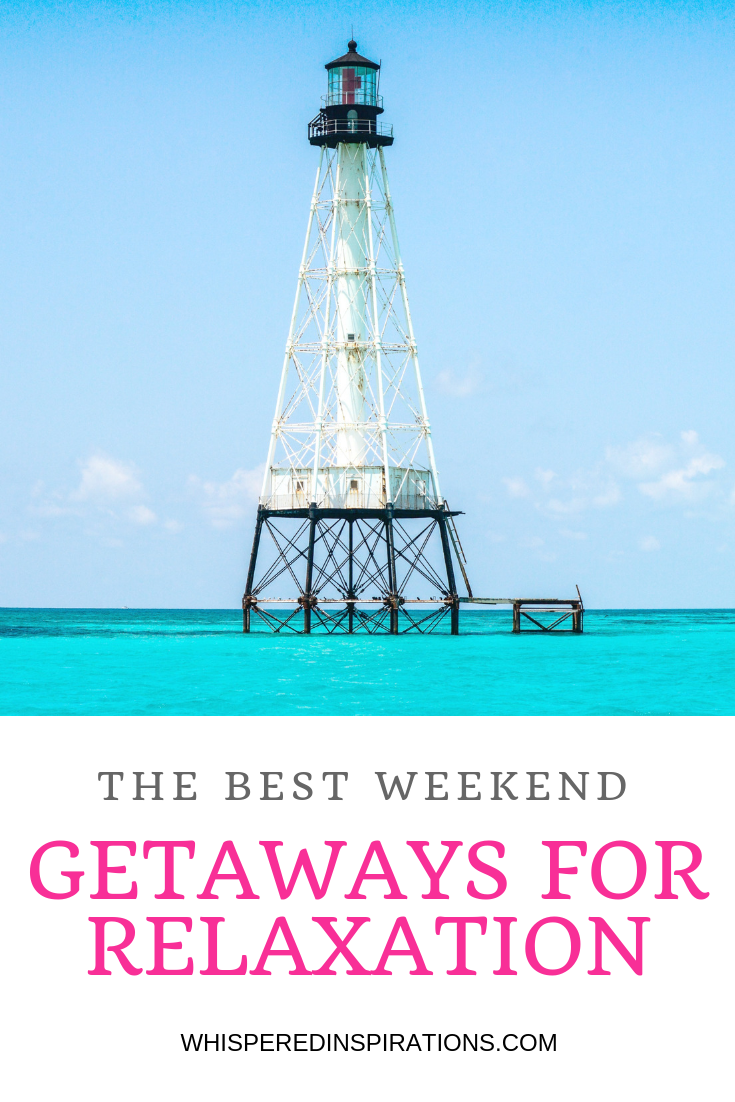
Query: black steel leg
(350,584)
(392,580)
(451,584)
(246,601)
(309,569)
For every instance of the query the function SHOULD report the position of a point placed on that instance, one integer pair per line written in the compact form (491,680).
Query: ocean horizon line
(236,608)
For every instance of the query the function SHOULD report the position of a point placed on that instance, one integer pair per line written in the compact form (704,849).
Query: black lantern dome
(352,59)
(352,104)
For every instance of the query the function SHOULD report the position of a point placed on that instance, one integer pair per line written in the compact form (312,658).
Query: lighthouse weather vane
(352,531)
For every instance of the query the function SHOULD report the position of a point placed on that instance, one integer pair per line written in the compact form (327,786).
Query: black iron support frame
(351,558)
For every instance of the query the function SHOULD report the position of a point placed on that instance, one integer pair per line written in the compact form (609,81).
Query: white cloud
(226,503)
(141,514)
(665,471)
(109,493)
(574,494)
(105,479)
(650,543)
(516,487)
(682,471)
(609,496)
(544,477)
(641,458)
(684,482)
(173,526)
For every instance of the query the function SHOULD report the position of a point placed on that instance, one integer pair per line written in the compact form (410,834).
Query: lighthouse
(352,532)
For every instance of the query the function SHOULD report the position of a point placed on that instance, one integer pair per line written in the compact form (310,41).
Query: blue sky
(564,180)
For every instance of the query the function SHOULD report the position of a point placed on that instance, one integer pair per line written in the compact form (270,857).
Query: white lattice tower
(351,429)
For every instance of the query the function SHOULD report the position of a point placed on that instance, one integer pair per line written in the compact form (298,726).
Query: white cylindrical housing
(351,291)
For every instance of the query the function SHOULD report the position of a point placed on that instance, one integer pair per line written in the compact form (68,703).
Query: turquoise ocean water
(198,662)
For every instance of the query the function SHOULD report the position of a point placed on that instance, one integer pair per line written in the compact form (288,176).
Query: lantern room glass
(352,84)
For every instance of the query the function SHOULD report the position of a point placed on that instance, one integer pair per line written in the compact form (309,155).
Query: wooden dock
(570,612)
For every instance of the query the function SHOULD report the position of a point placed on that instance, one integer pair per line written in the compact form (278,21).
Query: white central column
(351,288)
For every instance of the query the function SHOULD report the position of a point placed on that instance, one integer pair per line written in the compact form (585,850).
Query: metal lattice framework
(362,578)
(351,275)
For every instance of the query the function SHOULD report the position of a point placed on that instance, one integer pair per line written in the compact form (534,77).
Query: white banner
(552,891)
